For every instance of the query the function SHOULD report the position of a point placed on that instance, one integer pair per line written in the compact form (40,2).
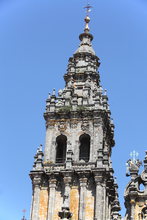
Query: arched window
(61,142)
(84,147)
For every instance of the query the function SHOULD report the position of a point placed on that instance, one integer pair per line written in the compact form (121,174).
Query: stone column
(99,203)
(83,185)
(36,198)
(52,194)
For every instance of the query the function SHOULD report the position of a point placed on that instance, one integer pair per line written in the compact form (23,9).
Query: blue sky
(36,39)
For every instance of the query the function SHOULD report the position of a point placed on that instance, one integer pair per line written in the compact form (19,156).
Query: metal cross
(134,155)
(88,9)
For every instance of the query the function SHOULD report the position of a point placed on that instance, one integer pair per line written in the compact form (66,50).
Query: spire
(86,37)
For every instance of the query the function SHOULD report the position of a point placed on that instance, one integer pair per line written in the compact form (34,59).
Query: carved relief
(62,126)
(51,124)
(85,126)
(97,122)
(74,124)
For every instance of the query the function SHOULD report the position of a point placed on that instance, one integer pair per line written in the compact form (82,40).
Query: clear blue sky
(36,39)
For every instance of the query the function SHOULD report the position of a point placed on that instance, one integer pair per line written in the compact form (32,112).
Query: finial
(54,92)
(24,211)
(146,154)
(105,91)
(134,155)
(49,96)
(145,161)
(39,148)
(87,18)
(133,165)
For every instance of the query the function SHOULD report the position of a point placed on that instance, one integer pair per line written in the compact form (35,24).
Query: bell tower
(73,178)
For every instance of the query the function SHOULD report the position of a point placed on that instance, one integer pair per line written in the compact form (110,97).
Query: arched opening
(84,147)
(61,142)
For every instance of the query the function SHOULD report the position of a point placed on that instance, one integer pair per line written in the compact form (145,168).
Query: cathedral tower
(73,178)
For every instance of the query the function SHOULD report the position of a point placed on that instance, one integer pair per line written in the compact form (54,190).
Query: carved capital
(37,181)
(98,177)
(98,122)
(83,182)
(67,180)
(52,182)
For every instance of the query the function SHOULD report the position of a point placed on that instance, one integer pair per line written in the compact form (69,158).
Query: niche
(84,147)
(61,143)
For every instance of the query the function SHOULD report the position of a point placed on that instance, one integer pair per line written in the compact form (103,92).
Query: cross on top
(88,9)
(134,155)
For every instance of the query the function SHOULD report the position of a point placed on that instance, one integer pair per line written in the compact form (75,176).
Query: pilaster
(83,189)
(99,199)
(52,194)
(36,197)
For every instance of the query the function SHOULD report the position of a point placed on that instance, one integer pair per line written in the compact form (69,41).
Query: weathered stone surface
(74,202)
(58,205)
(89,206)
(43,206)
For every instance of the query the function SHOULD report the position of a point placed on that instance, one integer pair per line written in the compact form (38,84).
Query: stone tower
(136,191)
(73,178)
